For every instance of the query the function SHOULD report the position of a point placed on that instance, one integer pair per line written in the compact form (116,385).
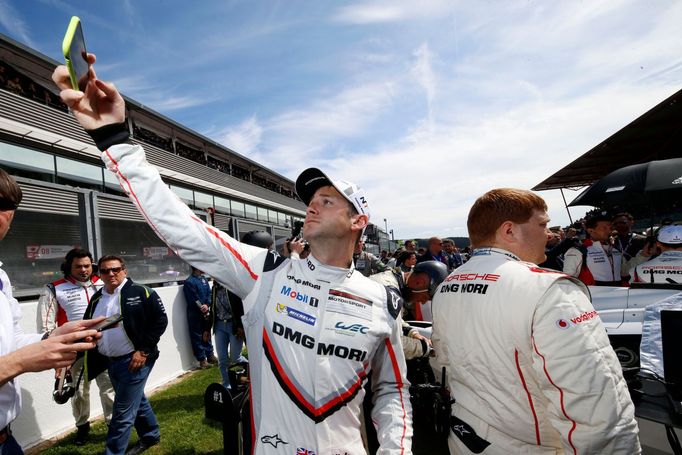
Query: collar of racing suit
(328,272)
(83,284)
(488,251)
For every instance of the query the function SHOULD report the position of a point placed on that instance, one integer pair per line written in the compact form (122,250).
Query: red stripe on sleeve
(530,399)
(561,396)
(229,247)
(399,382)
(153,226)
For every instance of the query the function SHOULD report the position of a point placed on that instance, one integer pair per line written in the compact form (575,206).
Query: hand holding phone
(100,104)
(75,55)
(108,323)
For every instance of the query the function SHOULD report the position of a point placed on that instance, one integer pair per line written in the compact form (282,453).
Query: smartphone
(75,55)
(108,323)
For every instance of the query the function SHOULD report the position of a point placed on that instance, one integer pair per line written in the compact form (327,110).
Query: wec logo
(357,328)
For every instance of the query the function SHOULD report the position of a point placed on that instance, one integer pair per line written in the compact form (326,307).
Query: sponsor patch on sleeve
(394,301)
(564,324)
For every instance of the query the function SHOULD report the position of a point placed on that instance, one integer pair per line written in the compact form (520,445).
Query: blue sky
(426,104)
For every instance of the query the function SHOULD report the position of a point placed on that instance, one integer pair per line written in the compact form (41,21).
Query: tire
(627,350)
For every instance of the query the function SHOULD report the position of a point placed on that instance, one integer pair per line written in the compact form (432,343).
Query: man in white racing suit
(597,262)
(65,300)
(665,268)
(315,328)
(529,363)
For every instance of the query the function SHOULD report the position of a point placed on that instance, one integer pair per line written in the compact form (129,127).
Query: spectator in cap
(667,267)
(596,262)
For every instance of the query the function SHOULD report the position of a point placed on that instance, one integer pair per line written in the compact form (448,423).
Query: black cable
(673,440)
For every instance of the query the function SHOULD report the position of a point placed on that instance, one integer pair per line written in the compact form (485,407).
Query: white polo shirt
(114,342)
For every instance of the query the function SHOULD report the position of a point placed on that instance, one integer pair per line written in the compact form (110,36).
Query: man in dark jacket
(227,310)
(198,298)
(130,351)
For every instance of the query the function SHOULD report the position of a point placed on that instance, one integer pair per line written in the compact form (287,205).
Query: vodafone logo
(586,316)
(563,324)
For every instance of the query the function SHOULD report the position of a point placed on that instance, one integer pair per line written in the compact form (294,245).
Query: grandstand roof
(655,135)
(45,65)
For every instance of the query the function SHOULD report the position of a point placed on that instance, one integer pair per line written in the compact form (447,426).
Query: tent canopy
(655,135)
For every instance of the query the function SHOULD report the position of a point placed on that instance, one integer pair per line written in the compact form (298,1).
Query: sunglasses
(7,204)
(113,270)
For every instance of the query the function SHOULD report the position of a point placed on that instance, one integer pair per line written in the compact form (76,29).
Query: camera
(296,234)
(62,394)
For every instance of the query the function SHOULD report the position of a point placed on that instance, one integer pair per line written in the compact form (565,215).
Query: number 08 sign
(38,252)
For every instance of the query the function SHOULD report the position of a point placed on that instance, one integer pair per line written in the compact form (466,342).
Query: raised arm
(101,111)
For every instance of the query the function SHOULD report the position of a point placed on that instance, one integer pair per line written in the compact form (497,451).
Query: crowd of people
(20,84)
(527,359)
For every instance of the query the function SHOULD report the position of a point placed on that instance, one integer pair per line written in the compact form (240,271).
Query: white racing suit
(66,300)
(602,266)
(314,332)
(529,363)
(666,266)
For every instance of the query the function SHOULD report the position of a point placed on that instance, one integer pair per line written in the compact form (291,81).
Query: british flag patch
(302,451)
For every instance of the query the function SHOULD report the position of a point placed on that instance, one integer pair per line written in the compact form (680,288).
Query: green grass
(184,431)
(180,411)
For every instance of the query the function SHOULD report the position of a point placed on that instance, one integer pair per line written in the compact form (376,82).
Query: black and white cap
(670,235)
(312,179)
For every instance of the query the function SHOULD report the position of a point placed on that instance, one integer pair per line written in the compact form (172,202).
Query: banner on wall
(39,252)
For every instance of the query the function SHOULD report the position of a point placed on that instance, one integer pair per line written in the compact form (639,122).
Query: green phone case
(66,47)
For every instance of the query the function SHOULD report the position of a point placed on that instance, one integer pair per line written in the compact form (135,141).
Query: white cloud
(389,11)
(538,87)
(151,94)
(12,21)
(302,134)
(245,137)
(426,104)
(423,72)
(426,183)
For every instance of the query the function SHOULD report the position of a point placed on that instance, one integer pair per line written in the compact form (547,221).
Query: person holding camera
(530,367)
(315,328)
(66,300)
(24,352)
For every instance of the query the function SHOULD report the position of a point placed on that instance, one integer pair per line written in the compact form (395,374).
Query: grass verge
(180,411)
